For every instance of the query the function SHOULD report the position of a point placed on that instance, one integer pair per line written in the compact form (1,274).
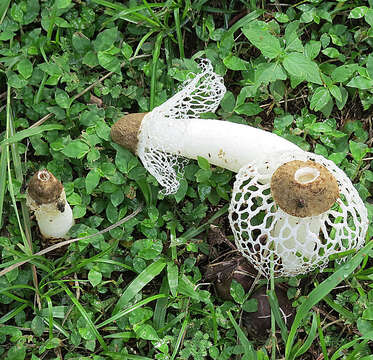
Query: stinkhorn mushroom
(289,207)
(46,197)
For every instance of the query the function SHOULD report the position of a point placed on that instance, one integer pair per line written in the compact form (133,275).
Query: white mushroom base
(53,223)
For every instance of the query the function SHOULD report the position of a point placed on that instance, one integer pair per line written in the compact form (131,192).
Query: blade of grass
(138,283)
(172,323)
(151,12)
(82,311)
(173,241)
(146,191)
(17,287)
(52,20)
(72,269)
(180,337)
(169,54)
(159,316)
(227,16)
(187,8)
(173,277)
(275,308)
(217,10)
(57,290)
(340,309)
(310,338)
(244,21)
(4,5)
(3,175)
(39,93)
(112,5)
(141,42)
(11,314)
(272,298)
(58,327)
(25,213)
(134,17)
(339,352)
(321,337)
(10,180)
(113,262)
(124,312)
(124,335)
(13,264)
(50,316)
(248,347)
(17,298)
(261,355)
(30,132)
(178,33)
(120,7)
(324,289)
(153,84)
(193,232)
(358,348)
(341,255)
(14,203)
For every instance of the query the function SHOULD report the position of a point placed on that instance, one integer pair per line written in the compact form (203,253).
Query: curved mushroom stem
(222,143)
(174,130)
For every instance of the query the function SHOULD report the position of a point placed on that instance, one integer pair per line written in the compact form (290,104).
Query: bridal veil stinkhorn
(46,197)
(289,208)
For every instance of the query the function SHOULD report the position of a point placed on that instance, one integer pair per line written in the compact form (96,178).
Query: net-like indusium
(267,235)
(200,94)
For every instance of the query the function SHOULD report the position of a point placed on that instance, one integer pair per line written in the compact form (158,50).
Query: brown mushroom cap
(44,187)
(304,188)
(125,131)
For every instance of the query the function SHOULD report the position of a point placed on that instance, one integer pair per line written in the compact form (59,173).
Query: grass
(130,284)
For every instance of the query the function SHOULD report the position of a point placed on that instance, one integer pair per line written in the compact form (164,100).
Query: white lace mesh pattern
(199,94)
(264,233)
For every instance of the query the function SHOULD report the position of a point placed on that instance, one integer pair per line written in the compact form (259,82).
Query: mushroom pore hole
(306,175)
(43,175)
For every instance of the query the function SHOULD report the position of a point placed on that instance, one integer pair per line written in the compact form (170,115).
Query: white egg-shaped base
(54,223)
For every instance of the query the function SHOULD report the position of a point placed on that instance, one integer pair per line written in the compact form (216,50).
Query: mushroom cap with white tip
(44,187)
(304,188)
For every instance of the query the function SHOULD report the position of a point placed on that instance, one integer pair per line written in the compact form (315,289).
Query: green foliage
(303,70)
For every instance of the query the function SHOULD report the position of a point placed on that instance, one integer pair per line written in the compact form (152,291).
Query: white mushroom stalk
(294,214)
(47,199)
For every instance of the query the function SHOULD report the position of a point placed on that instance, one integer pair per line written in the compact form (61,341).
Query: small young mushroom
(221,275)
(258,323)
(46,197)
(289,207)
